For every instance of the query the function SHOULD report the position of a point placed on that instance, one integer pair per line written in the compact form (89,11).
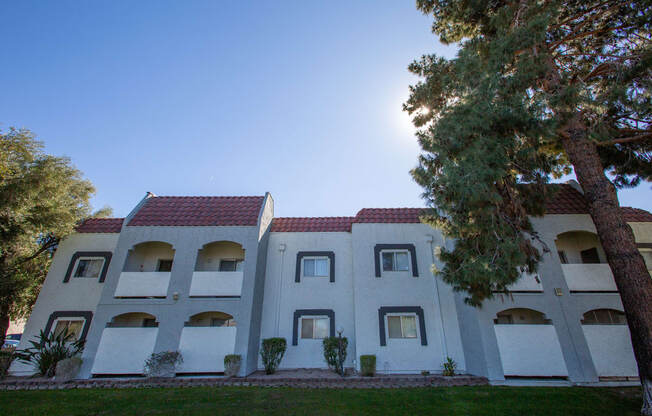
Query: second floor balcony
(218,270)
(147,271)
(583,262)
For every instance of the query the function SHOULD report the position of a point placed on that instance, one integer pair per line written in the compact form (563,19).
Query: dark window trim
(302,254)
(104,254)
(384,310)
(87,315)
(311,312)
(409,247)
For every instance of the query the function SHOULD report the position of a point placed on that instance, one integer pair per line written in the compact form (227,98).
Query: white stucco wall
(142,284)
(611,350)
(589,277)
(78,294)
(530,350)
(203,348)
(527,283)
(216,284)
(144,257)
(124,350)
(283,295)
(403,289)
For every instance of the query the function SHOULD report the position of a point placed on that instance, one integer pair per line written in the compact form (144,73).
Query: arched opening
(604,317)
(579,247)
(150,256)
(133,320)
(521,316)
(211,319)
(220,256)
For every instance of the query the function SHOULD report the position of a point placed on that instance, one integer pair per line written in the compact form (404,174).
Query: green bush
(449,367)
(368,365)
(232,364)
(7,356)
(48,350)
(335,352)
(163,364)
(272,352)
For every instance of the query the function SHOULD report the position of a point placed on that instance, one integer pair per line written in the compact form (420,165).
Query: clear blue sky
(302,99)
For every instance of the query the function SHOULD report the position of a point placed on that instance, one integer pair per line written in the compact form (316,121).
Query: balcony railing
(216,284)
(589,277)
(143,284)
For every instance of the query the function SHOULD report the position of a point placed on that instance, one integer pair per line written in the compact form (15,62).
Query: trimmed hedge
(272,353)
(368,365)
(335,353)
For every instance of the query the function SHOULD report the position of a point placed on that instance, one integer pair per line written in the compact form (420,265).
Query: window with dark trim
(87,255)
(326,313)
(397,261)
(61,316)
(314,268)
(403,328)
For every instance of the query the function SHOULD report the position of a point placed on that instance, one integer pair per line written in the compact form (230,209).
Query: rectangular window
(73,327)
(395,261)
(402,326)
(314,328)
(315,267)
(230,265)
(149,323)
(590,256)
(562,257)
(89,267)
(164,266)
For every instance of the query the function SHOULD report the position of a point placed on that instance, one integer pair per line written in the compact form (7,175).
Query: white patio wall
(530,350)
(527,283)
(143,284)
(216,284)
(589,277)
(124,350)
(611,350)
(203,348)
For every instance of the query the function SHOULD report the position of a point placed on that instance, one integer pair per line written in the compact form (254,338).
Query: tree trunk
(627,265)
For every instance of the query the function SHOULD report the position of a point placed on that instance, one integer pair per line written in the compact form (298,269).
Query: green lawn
(287,401)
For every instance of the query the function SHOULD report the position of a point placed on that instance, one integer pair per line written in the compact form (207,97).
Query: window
(562,257)
(402,326)
(164,266)
(149,323)
(230,265)
(222,322)
(315,267)
(89,267)
(604,317)
(314,328)
(69,327)
(590,256)
(395,261)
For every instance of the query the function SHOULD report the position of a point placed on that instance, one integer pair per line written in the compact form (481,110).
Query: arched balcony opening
(521,316)
(147,270)
(584,263)
(528,344)
(218,271)
(205,339)
(604,317)
(133,320)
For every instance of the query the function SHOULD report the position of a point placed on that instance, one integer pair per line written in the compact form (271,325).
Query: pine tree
(537,89)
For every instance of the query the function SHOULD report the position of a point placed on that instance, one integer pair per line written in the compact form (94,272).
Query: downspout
(430,240)
(281,248)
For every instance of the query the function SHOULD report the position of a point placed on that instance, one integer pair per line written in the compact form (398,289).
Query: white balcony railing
(143,284)
(216,284)
(589,277)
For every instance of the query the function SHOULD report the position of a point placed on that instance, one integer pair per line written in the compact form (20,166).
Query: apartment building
(210,276)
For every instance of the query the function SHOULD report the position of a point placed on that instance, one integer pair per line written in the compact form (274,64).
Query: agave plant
(47,350)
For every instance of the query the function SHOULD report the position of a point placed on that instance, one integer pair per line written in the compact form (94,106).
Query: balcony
(216,284)
(218,270)
(527,283)
(143,285)
(589,277)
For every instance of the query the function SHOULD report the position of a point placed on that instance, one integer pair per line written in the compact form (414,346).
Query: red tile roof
(199,211)
(311,224)
(566,200)
(636,214)
(100,225)
(389,215)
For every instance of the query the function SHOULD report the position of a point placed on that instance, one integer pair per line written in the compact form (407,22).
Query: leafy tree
(537,88)
(42,198)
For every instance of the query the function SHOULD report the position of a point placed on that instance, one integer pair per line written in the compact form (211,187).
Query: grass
(289,401)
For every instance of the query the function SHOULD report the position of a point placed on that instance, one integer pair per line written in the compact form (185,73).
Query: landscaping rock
(67,369)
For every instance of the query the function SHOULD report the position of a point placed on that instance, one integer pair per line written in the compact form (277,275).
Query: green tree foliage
(537,88)
(42,198)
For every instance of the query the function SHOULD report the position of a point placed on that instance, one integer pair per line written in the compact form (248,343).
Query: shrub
(163,364)
(48,350)
(7,356)
(335,352)
(449,367)
(368,365)
(272,353)
(232,364)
